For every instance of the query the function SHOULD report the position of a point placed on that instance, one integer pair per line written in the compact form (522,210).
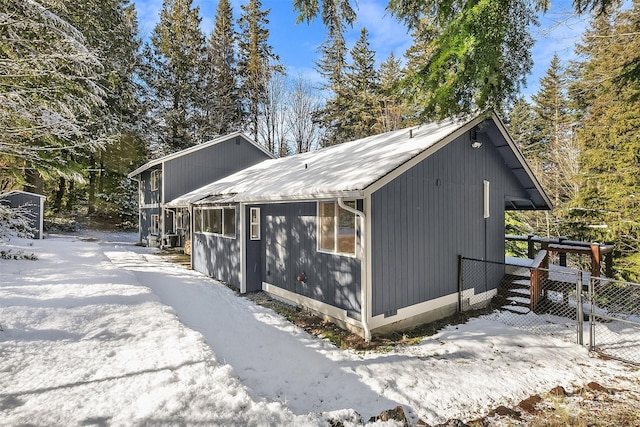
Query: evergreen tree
(360,91)
(332,65)
(558,151)
(222,102)
(607,207)
(392,109)
(50,84)
(110,28)
(257,62)
(172,74)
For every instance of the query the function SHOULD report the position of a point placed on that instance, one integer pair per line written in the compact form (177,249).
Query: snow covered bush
(15,222)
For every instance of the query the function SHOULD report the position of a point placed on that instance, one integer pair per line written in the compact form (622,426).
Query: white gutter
(364,312)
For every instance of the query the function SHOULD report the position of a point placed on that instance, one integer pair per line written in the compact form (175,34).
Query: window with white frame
(336,228)
(155,224)
(155,179)
(254,223)
(215,220)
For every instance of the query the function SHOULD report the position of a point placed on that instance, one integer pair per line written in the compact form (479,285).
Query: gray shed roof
(2,195)
(347,170)
(193,149)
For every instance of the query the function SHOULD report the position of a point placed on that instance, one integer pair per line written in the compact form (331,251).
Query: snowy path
(110,334)
(275,359)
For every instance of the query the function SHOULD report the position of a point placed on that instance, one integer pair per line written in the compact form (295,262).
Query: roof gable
(345,170)
(194,149)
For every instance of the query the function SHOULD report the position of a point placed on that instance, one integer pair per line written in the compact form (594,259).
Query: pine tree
(172,70)
(332,65)
(558,151)
(257,62)
(360,91)
(222,102)
(110,28)
(50,85)
(392,109)
(607,207)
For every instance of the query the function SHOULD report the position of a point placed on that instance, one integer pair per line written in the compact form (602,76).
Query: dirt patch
(347,340)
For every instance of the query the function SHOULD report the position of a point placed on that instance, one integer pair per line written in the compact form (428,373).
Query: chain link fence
(614,318)
(559,301)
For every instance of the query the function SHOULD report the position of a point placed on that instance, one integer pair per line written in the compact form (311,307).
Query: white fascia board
(23,192)
(423,155)
(355,194)
(189,150)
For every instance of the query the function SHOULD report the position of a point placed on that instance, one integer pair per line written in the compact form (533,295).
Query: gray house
(167,177)
(32,203)
(368,232)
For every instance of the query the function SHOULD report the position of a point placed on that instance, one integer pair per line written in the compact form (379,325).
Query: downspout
(363,288)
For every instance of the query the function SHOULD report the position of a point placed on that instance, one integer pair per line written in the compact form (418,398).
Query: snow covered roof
(194,149)
(2,195)
(343,170)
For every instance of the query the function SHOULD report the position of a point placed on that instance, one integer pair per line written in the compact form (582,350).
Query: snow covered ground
(98,331)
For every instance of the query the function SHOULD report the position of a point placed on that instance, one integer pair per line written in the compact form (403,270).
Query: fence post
(531,247)
(460,284)
(579,310)
(563,255)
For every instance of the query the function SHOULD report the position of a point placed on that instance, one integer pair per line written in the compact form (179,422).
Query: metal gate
(601,313)
(614,318)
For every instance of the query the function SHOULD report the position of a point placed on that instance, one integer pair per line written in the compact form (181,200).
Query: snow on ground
(108,333)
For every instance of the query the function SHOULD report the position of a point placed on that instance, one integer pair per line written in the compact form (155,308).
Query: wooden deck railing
(596,251)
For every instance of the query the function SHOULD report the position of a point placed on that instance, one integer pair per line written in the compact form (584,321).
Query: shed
(368,233)
(33,203)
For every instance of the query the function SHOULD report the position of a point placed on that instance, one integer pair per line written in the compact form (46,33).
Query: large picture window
(220,221)
(337,228)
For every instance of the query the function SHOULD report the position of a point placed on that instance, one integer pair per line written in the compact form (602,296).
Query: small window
(182,219)
(155,179)
(220,221)
(337,231)
(254,222)
(155,224)
(212,221)
(229,222)
(197,220)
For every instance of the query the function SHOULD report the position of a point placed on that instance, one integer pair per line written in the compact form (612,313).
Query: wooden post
(534,291)
(595,260)
(563,255)
(608,264)
(531,247)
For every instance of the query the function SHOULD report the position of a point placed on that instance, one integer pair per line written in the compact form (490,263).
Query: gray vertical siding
(254,249)
(193,170)
(149,197)
(218,256)
(425,218)
(28,202)
(289,249)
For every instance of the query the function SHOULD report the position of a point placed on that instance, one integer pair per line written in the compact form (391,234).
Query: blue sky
(296,44)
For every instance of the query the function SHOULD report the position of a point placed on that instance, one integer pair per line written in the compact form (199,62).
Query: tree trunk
(92,186)
(57,202)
